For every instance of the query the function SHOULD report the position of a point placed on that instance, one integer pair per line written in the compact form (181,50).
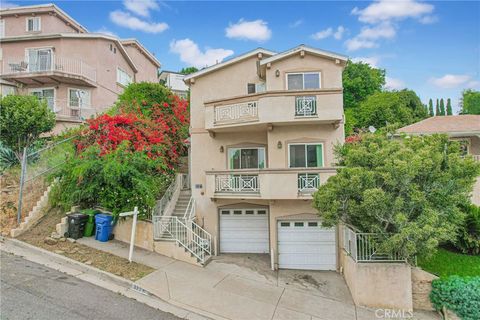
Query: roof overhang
(304,49)
(150,56)
(43,8)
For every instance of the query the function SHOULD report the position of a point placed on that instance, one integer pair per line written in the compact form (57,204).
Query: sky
(432,48)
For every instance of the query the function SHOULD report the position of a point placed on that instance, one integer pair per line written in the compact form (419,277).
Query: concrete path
(243,287)
(33,291)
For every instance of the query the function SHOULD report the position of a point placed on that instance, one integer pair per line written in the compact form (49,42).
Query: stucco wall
(421,288)
(143,234)
(378,285)
(16,25)
(147,71)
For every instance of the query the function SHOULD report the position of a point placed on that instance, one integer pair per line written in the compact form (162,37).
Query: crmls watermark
(393,314)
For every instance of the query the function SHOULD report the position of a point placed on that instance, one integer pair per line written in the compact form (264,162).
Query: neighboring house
(263,128)
(174,81)
(462,128)
(46,53)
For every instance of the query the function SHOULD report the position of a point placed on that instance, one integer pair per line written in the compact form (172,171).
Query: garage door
(306,245)
(244,231)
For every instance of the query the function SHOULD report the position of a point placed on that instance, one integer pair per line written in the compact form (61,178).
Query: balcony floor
(48,78)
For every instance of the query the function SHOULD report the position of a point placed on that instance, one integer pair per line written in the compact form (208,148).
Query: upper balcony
(278,107)
(48,69)
(269,184)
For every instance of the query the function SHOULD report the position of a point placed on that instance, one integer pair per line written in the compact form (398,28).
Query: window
(237,211)
(249,212)
(298,224)
(262,212)
(255,87)
(123,78)
(33,24)
(46,94)
(2,28)
(78,98)
(246,158)
(284,224)
(225,212)
(313,224)
(39,59)
(303,81)
(306,155)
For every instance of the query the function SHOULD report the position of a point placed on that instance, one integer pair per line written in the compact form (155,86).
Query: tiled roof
(445,124)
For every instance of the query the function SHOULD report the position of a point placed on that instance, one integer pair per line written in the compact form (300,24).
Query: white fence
(236,112)
(50,63)
(308,182)
(237,183)
(364,247)
(305,106)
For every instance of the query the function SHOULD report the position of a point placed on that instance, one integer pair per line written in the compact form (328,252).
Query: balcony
(267,184)
(277,108)
(49,69)
(69,110)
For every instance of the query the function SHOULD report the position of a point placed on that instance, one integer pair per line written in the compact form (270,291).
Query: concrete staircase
(182,203)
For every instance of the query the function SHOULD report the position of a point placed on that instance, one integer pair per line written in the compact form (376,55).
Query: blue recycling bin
(103,229)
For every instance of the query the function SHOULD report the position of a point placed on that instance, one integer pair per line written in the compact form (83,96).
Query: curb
(92,275)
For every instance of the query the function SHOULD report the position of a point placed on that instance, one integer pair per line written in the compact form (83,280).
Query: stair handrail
(161,204)
(189,214)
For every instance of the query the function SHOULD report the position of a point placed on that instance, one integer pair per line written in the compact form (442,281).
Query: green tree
(470,102)
(360,80)
(430,108)
(398,108)
(449,107)
(409,190)
(22,120)
(188,70)
(442,107)
(437,108)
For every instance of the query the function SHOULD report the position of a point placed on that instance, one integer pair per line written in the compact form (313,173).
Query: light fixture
(221,149)
(277,73)
(279,144)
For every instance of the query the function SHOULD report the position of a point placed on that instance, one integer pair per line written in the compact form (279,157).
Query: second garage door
(244,231)
(305,245)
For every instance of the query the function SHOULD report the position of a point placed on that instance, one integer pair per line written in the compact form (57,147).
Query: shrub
(117,181)
(468,240)
(458,294)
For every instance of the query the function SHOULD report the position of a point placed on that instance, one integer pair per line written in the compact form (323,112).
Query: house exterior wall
(149,72)
(278,183)
(16,25)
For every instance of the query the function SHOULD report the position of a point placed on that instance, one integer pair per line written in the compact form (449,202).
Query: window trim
(31,90)
(122,70)
(305,144)
(79,89)
(258,167)
(303,80)
(2,28)
(33,25)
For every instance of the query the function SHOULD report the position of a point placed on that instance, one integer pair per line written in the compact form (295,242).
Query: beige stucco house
(463,128)
(263,127)
(47,53)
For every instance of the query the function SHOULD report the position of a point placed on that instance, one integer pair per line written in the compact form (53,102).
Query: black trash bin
(76,225)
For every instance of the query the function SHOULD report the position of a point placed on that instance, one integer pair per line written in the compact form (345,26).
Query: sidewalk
(243,287)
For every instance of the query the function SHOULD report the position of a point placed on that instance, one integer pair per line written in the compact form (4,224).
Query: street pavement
(31,291)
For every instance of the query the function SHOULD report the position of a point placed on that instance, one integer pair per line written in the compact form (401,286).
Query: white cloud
(450,81)
(356,44)
(104,30)
(428,19)
(125,19)
(474,84)
(383,30)
(296,23)
(322,34)
(256,30)
(141,7)
(394,84)
(387,10)
(337,34)
(372,61)
(6,5)
(191,54)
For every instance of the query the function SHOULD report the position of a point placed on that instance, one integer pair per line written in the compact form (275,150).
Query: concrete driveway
(243,287)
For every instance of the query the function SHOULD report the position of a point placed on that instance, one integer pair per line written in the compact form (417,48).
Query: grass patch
(445,263)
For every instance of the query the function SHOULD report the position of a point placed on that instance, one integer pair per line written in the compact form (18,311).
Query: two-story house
(45,52)
(263,128)
(174,81)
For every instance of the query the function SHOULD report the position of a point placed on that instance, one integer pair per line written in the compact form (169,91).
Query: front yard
(446,263)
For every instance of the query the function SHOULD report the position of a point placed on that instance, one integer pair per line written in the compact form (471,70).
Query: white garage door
(244,231)
(305,245)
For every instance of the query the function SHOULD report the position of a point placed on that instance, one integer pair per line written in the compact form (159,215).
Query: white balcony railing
(476,157)
(246,111)
(308,182)
(237,183)
(69,110)
(305,106)
(49,63)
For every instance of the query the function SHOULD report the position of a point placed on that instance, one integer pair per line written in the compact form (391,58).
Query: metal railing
(161,204)
(190,211)
(69,110)
(308,182)
(237,183)
(185,181)
(188,235)
(364,247)
(49,63)
(476,157)
(245,111)
(305,106)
